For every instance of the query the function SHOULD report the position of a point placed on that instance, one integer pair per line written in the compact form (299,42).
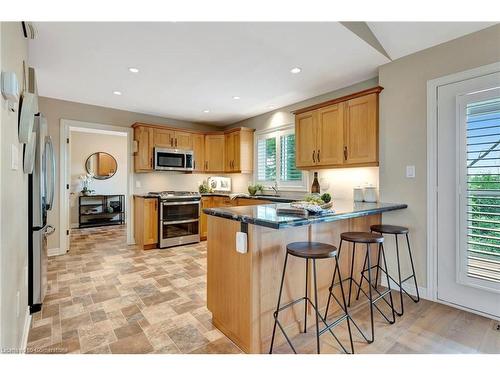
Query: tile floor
(107,297)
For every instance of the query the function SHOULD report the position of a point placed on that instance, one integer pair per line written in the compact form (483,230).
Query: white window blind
(483,190)
(275,160)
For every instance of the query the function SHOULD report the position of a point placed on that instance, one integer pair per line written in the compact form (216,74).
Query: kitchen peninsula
(242,288)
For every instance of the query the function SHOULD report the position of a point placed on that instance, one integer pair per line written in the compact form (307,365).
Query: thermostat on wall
(10,87)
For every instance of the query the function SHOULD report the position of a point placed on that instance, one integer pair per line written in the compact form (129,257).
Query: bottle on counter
(315,185)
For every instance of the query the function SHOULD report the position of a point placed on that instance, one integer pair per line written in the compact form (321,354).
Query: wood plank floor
(107,297)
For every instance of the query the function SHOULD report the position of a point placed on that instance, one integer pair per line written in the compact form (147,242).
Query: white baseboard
(55,251)
(408,286)
(26,330)
(74,225)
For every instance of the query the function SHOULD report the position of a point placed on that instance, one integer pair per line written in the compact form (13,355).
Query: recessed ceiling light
(206,111)
(236,98)
(117,92)
(133,70)
(295,70)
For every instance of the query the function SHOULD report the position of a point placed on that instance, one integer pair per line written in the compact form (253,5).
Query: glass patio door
(469,194)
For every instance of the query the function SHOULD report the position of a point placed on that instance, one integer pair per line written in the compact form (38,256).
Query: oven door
(170,160)
(180,211)
(179,232)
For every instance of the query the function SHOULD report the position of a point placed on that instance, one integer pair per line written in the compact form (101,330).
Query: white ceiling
(403,38)
(186,68)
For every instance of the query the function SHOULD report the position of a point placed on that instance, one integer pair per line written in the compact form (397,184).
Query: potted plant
(86,182)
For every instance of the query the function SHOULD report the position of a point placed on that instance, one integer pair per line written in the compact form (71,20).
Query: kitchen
(231,202)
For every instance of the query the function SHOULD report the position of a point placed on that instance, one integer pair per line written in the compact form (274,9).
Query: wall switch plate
(138,184)
(410,171)
(241,242)
(14,160)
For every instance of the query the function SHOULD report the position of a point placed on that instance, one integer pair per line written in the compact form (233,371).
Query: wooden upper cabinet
(361,139)
(330,135)
(214,153)
(143,157)
(305,139)
(239,151)
(199,152)
(183,140)
(164,138)
(340,133)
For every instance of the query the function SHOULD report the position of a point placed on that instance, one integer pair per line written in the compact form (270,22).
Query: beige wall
(403,121)
(83,145)
(55,110)
(13,201)
(341,181)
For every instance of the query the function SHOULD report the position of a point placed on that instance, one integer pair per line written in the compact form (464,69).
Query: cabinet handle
(318,156)
(175,142)
(151,162)
(314,160)
(345,152)
(171,142)
(206,165)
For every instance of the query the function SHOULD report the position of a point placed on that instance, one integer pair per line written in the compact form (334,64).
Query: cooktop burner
(175,194)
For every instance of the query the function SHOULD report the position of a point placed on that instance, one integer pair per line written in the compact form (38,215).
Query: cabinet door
(361,130)
(330,137)
(229,148)
(244,152)
(150,221)
(305,134)
(206,202)
(143,158)
(214,153)
(199,152)
(183,140)
(164,138)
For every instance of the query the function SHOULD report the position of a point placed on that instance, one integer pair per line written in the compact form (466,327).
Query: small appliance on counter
(220,184)
(370,194)
(179,219)
(358,194)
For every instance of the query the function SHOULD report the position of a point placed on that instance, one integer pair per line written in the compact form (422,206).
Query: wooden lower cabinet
(222,201)
(146,222)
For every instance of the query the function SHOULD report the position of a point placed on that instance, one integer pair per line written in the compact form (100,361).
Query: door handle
(345,152)
(314,160)
(318,156)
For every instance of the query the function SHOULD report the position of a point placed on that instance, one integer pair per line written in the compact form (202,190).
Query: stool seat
(362,237)
(389,229)
(311,250)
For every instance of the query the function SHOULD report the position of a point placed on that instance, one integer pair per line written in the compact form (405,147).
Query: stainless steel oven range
(179,220)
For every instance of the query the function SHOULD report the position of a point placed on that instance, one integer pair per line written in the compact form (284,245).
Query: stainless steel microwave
(170,159)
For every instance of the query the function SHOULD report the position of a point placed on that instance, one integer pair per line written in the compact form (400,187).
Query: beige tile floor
(107,297)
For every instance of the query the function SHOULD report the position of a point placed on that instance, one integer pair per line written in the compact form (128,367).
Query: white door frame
(65,175)
(432,188)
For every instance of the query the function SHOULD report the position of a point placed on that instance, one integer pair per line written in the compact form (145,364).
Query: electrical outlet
(18,303)
(138,184)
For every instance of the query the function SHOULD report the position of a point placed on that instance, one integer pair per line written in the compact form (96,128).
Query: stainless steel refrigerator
(41,185)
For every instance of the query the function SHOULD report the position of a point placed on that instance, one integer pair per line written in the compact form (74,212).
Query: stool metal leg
(413,270)
(278,306)
(399,278)
(351,275)
(333,281)
(316,305)
(370,291)
(378,267)
(381,246)
(305,300)
(337,268)
(362,278)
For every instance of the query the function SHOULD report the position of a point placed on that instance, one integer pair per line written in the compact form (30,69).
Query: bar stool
(368,239)
(398,230)
(311,251)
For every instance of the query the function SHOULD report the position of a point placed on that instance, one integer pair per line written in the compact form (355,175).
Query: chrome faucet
(275,187)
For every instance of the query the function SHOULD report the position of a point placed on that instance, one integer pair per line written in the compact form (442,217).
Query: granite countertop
(272,198)
(266,215)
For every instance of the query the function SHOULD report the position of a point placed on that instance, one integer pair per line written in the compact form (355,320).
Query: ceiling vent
(29,30)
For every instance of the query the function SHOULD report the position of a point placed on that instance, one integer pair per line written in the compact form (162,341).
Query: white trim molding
(66,126)
(26,330)
(55,251)
(432,186)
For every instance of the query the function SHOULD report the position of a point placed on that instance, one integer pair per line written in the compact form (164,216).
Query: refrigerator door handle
(52,161)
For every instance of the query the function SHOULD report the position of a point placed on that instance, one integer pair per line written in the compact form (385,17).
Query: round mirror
(101,165)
